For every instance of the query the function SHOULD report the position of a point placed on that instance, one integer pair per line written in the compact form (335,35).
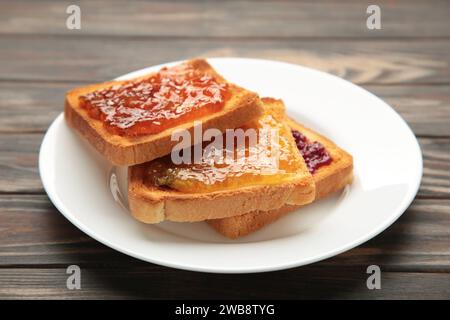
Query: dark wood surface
(407,64)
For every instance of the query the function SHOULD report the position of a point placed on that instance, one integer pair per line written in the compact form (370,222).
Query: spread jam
(314,153)
(253,169)
(147,106)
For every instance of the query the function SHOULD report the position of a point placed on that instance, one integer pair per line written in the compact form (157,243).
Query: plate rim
(401,208)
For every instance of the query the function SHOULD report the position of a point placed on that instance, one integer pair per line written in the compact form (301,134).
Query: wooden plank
(19,165)
(151,283)
(37,243)
(436,173)
(100,58)
(34,233)
(401,18)
(425,108)
(31,107)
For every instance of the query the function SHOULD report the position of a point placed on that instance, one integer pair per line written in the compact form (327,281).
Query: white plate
(388,169)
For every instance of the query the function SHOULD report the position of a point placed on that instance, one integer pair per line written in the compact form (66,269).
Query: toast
(234,195)
(241,106)
(328,179)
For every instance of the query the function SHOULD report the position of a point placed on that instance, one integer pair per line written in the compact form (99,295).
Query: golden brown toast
(241,107)
(328,179)
(153,203)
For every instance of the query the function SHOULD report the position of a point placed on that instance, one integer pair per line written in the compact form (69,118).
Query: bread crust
(328,179)
(242,107)
(153,204)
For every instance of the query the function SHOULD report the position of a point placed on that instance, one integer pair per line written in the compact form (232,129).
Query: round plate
(387,160)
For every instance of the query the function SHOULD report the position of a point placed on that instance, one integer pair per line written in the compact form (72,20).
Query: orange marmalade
(163,100)
(254,167)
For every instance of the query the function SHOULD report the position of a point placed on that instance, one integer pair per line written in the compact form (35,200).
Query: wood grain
(32,106)
(34,233)
(252,19)
(92,59)
(406,63)
(19,163)
(150,283)
(436,173)
(425,108)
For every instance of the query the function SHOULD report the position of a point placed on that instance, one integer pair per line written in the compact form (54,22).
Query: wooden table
(406,63)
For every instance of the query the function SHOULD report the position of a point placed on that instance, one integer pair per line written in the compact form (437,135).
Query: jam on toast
(331,168)
(131,122)
(160,190)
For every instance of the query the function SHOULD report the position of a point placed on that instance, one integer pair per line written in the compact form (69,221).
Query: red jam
(168,98)
(314,153)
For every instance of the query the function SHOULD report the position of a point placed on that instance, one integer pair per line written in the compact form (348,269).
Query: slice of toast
(328,179)
(241,107)
(153,203)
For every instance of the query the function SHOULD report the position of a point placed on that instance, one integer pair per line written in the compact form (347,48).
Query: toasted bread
(242,106)
(153,203)
(328,179)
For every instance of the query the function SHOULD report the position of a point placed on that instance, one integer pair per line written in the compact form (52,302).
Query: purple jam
(314,153)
